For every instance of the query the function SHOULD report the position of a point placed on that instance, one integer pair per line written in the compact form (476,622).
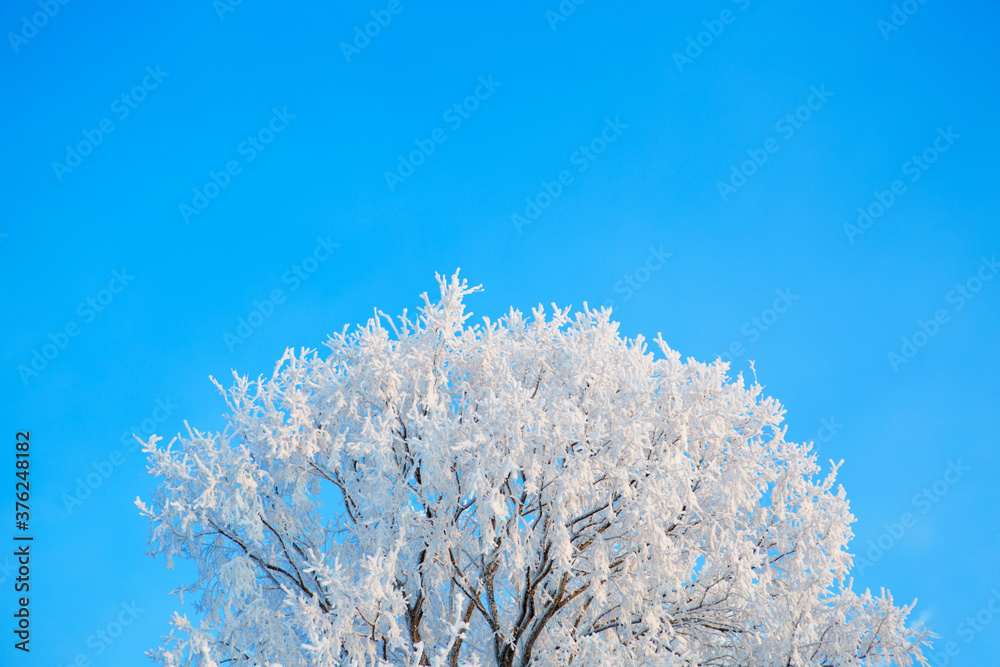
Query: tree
(530,491)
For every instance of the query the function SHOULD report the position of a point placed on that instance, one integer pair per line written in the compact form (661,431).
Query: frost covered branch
(530,491)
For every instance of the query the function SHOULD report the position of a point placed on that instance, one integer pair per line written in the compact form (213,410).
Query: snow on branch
(526,491)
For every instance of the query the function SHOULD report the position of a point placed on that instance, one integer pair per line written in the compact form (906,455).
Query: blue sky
(214,154)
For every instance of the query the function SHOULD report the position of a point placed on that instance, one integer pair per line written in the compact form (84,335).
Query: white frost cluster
(523,492)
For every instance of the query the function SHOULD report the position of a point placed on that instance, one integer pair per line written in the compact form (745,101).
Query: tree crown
(529,491)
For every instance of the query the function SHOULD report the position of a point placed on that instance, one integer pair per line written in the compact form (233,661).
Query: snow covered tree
(529,491)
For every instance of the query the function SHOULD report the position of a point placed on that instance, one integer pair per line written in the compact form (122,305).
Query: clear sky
(172,171)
